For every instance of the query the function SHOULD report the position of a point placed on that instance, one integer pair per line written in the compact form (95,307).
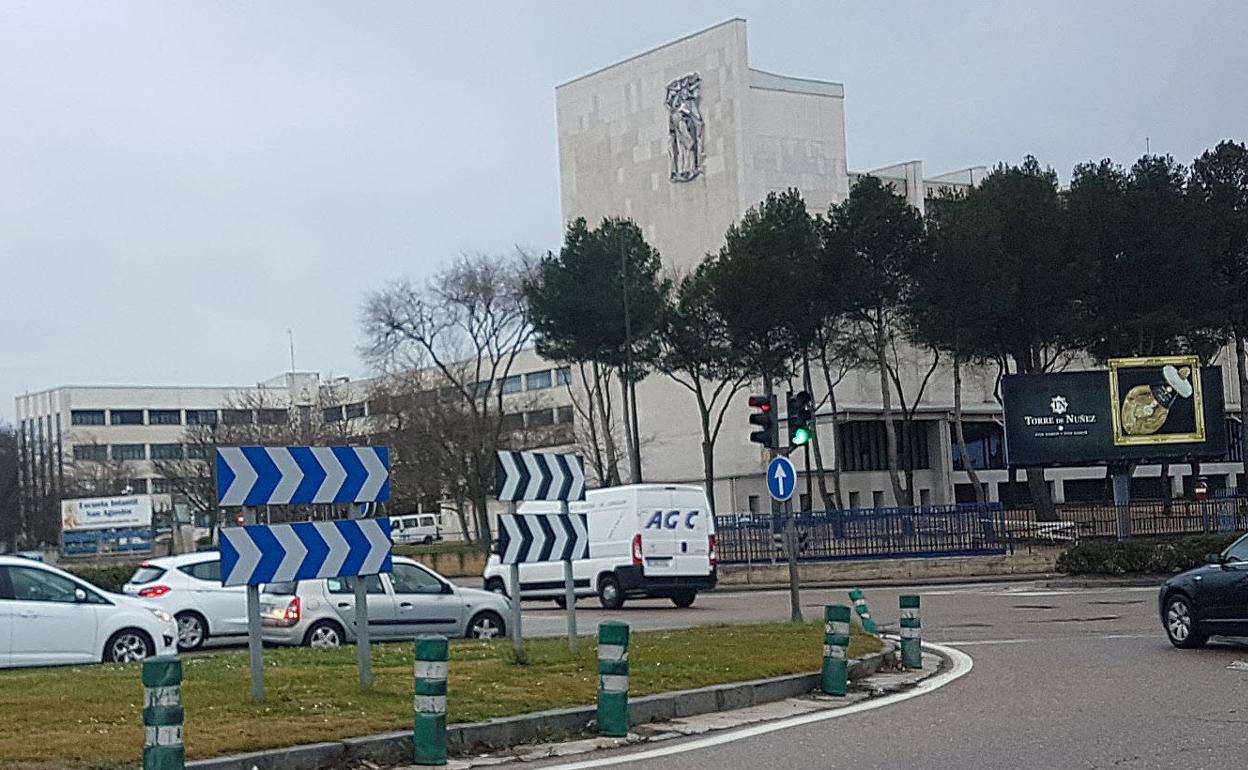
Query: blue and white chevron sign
(257,475)
(281,553)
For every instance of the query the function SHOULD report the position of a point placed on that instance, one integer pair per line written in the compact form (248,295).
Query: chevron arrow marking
(241,478)
(239,556)
(317,550)
(377,533)
(290,476)
(296,553)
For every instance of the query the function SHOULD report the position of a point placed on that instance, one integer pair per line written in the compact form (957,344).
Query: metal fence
(1141,518)
(879,533)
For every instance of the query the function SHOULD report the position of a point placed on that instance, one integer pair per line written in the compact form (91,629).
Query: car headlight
(164,617)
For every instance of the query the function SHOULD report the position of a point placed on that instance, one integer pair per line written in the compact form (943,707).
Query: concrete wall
(1037,561)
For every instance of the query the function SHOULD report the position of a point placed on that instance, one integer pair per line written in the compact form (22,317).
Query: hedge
(1140,556)
(110,578)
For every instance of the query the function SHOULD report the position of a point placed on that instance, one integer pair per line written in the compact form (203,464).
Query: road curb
(396,747)
(735,588)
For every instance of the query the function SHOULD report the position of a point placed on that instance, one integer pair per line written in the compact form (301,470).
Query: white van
(415,528)
(645,540)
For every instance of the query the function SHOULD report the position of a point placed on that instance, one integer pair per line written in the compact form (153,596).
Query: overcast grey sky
(180,183)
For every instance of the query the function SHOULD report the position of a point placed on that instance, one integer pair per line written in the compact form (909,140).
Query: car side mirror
(447,588)
(1214,558)
(80,595)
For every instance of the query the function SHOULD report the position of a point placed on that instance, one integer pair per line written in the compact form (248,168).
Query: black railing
(878,533)
(1140,518)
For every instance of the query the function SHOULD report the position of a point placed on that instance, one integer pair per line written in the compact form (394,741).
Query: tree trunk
(463,520)
(1040,496)
(708,446)
(821,475)
(1241,368)
(608,438)
(980,495)
(635,429)
(1167,493)
(836,437)
(890,430)
(633,470)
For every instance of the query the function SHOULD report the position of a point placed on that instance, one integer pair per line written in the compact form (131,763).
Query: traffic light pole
(790,545)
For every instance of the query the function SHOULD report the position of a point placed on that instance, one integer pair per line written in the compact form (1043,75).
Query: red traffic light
(762,403)
(765,419)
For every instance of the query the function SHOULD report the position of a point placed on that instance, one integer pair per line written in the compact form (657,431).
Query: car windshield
(281,589)
(146,573)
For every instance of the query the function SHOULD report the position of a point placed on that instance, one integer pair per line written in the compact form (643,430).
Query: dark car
(1210,600)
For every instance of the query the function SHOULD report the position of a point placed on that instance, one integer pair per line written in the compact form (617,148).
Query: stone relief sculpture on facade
(685,127)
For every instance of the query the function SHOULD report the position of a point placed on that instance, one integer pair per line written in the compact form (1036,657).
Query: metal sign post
(361,619)
(255,644)
(569,590)
(517,633)
(781,483)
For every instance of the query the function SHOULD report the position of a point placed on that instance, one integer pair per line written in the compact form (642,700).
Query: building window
(196,452)
(92,453)
(985,446)
(537,380)
(540,418)
(512,422)
(1234,449)
(752,503)
(166,451)
(164,416)
(136,487)
(877,499)
(511,384)
(166,486)
(129,451)
(864,445)
(332,414)
(563,375)
(855,500)
(482,389)
(236,417)
(564,415)
(272,416)
(86,417)
(201,416)
(352,411)
(126,417)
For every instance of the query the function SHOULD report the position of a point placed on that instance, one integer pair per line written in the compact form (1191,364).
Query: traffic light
(801,417)
(768,433)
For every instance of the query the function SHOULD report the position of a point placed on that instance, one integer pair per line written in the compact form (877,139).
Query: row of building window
(157,486)
(178,416)
(537,419)
(516,383)
(102,452)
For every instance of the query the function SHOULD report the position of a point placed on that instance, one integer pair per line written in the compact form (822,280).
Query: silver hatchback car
(410,601)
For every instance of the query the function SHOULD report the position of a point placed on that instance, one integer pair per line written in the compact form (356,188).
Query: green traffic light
(800,436)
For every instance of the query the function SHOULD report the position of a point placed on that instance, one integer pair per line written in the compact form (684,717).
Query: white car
(49,617)
(189,588)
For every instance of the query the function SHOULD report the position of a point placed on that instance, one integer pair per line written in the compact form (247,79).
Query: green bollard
(429,735)
(911,645)
(864,614)
(163,714)
(835,679)
(613,679)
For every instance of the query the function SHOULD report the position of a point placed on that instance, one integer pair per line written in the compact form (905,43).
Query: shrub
(1140,556)
(110,578)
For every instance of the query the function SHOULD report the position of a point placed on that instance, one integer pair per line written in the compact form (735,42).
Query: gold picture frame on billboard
(1140,414)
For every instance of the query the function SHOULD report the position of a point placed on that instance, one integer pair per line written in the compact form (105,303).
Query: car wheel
(486,625)
(324,635)
(1182,628)
(561,602)
(428,540)
(610,595)
(128,645)
(192,631)
(494,585)
(685,598)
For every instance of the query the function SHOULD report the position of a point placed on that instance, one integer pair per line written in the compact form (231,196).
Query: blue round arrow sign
(781,479)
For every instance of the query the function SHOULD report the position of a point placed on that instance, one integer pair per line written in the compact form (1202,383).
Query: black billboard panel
(1141,409)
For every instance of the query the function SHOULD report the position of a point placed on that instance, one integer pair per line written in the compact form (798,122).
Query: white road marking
(962,665)
(1047,640)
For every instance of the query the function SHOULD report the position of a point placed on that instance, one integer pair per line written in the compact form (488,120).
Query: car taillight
(637,550)
(294,609)
(711,542)
(154,591)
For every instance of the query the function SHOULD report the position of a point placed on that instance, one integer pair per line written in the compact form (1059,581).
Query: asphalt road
(1062,678)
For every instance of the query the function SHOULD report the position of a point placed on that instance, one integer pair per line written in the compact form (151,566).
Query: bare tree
(468,324)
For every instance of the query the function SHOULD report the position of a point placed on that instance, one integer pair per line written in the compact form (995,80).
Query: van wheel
(561,602)
(428,540)
(496,586)
(684,598)
(610,595)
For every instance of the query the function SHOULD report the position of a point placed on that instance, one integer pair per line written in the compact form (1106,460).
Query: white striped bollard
(613,679)
(163,714)
(864,614)
(911,644)
(835,675)
(429,734)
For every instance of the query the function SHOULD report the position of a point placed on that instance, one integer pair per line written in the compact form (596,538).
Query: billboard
(1141,409)
(126,511)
